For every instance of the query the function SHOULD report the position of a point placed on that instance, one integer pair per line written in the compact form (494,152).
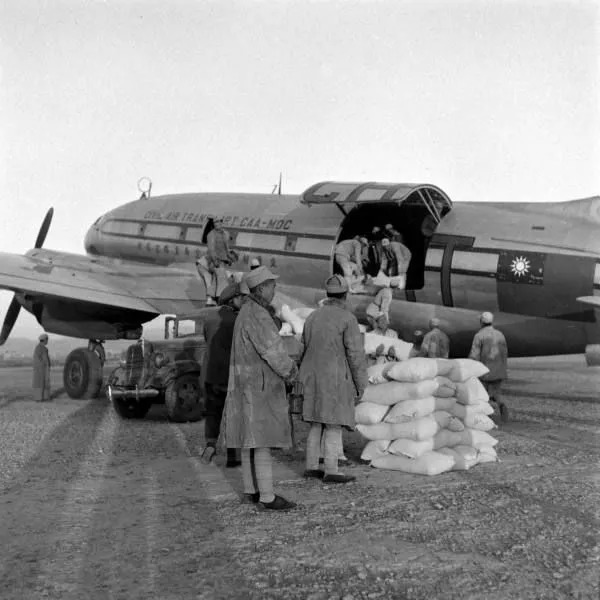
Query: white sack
(376,373)
(476,438)
(465,368)
(445,365)
(419,429)
(462,412)
(447,439)
(487,454)
(289,316)
(373,340)
(413,369)
(446,387)
(407,410)
(381,280)
(369,413)
(430,463)
(375,449)
(286,330)
(304,311)
(480,422)
(471,391)
(465,457)
(410,448)
(396,391)
(447,421)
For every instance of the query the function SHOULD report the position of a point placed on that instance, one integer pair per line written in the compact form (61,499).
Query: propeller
(41,237)
(13,310)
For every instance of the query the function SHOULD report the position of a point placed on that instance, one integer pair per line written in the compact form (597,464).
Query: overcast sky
(489,100)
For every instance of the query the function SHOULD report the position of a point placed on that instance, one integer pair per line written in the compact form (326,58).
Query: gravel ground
(96,507)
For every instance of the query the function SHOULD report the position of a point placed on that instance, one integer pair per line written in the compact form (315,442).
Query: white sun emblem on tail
(520,266)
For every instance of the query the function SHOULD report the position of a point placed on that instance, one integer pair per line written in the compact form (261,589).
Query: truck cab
(167,371)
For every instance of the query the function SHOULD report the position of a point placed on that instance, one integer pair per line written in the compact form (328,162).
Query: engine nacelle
(592,355)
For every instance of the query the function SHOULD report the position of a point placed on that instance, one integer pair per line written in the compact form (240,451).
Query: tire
(184,400)
(130,408)
(82,374)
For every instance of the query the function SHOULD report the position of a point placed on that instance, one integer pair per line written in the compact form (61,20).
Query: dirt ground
(92,506)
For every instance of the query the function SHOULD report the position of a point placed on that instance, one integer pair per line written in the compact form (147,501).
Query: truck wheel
(183,398)
(129,408)
(82,374)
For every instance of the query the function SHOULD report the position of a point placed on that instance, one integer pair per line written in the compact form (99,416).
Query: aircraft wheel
(129,408)
(82,374)
(183,398)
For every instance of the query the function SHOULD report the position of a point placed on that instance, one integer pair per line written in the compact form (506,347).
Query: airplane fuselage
(525,262)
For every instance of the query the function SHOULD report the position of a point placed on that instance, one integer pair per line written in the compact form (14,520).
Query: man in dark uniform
(41,370)
(218,333)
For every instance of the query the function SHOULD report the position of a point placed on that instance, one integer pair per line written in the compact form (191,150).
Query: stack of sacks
(426,416)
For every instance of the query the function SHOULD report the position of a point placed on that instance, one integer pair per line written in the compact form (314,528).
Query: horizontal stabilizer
(590,301)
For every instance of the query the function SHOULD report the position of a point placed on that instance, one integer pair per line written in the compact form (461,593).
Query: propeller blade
(9,320)
(39,242)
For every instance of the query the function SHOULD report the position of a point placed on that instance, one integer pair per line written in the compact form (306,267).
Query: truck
(167,371)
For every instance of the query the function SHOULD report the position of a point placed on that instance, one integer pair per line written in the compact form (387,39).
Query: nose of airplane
(92,238)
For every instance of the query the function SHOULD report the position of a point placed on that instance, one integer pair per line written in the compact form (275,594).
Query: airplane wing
(99,287)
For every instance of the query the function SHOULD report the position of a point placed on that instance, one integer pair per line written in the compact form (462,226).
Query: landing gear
(183,398)
(82,373)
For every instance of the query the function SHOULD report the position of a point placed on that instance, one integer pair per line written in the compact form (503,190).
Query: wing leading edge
(129,291)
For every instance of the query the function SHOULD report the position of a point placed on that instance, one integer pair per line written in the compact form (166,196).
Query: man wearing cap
(489,347)
(348,255)
(256,408)
(219,255)
(41,370)
(254,264)
(403,256)
(379,306)
(436,343)
(333,374)
(217,328)
(390,231)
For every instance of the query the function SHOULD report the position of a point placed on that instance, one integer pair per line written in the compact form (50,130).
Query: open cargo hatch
(348,195)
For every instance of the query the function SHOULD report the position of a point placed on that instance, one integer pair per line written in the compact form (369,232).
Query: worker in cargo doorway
(436,343)
(380,306)
(219,255)
(390,231)
(374,251)
(403,256)
(348,256)
(489,347)
(256,407)
(333,375)
(41,370)
(217,328)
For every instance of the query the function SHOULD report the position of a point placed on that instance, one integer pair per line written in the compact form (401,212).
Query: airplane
(536,266)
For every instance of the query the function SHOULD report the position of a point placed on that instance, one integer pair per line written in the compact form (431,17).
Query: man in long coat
(256,408)
(489,347)
(333,374)
(41,370)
